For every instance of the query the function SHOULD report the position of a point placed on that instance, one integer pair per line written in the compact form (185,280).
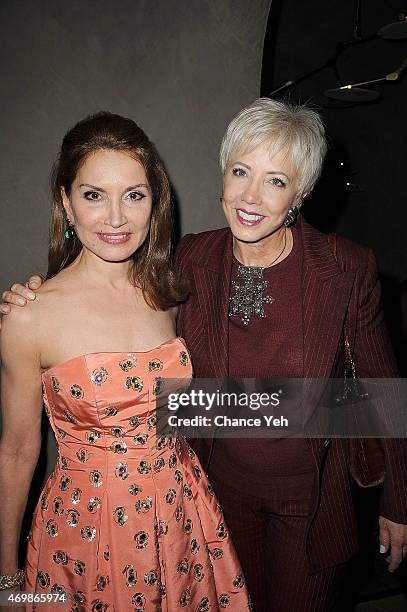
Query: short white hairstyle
(295,128)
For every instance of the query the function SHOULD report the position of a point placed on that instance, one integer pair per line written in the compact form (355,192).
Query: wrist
(12,581)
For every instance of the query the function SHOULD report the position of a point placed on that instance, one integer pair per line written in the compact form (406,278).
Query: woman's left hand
(393,536)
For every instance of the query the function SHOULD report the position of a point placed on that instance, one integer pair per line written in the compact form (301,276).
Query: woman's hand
(393,537)
(20,294)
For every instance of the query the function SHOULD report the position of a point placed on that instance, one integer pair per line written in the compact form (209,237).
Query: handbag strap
(350,367)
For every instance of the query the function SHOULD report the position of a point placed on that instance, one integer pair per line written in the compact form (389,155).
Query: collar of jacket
(326,291)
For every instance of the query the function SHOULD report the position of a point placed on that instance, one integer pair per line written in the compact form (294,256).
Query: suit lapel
(212,280)
(326,292)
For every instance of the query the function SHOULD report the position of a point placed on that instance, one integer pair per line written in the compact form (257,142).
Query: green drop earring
(70,230)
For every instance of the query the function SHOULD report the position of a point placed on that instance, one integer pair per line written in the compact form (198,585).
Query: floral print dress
(127,520)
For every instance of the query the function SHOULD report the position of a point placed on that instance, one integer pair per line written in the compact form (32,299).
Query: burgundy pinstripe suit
(333,291)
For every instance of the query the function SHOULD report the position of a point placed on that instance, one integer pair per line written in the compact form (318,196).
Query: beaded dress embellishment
(248,298)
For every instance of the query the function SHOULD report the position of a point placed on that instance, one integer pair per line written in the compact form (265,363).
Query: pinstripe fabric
(271,532)
(333,292)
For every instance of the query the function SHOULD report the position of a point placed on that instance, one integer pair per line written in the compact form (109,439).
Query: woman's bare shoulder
(19,332)
(30,318)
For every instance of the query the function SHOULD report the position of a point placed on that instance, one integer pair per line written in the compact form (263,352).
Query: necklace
(248,298)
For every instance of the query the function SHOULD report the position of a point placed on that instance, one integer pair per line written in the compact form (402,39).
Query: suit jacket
(335,292)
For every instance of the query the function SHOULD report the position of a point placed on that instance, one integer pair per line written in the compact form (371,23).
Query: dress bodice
(107,401)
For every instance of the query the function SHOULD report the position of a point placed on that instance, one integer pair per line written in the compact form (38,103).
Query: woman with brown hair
(127,519)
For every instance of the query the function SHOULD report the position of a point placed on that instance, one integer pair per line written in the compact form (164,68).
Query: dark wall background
(368,139)
(180,68)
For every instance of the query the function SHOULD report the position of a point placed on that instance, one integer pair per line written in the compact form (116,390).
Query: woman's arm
(20,442)
(374,358)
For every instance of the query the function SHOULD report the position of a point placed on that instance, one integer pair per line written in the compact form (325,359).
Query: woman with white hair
(272,297)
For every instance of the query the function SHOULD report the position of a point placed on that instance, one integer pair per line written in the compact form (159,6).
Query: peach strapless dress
(127,520)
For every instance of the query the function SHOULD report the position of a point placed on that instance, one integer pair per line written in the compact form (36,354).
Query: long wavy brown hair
(152,269)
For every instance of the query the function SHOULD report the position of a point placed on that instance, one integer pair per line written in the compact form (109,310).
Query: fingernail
(33,284)
(382,548)
(31,296)
(20,301)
